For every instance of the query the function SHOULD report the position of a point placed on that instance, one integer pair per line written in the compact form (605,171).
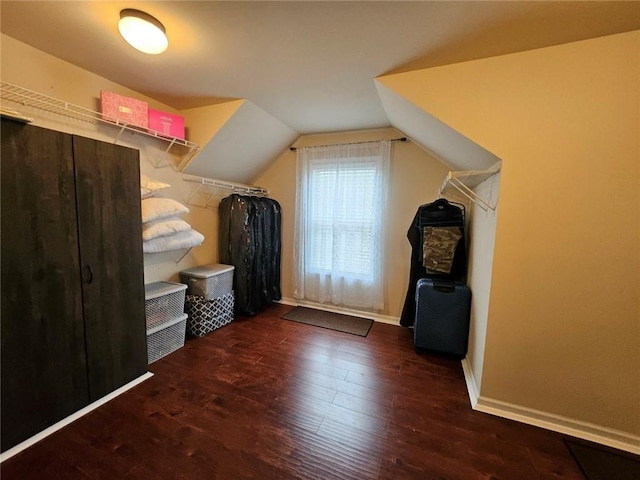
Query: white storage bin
(163,302)
(209,281)
(166,338)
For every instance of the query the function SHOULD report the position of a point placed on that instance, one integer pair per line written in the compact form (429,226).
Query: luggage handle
(444,287)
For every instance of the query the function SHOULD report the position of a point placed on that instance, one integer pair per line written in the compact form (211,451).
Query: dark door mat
(332,321)
(598,462)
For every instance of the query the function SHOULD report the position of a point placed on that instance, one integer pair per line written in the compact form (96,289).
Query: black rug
(598,462)
(332,321)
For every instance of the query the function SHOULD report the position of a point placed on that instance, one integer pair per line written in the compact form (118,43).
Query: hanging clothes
(249,238)
(439,246)
(275,213)
(437,229)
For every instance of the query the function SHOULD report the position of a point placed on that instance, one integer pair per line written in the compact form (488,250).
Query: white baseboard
(347,311)
(557,423)
(472,386)
(72,418)
(568,426)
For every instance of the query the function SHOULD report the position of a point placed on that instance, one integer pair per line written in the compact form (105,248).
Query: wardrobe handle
(89,279)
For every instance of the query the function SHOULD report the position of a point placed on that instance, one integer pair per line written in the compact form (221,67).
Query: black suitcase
(443,310)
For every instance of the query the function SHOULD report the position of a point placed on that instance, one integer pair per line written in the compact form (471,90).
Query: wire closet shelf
(20,96)
(209,191)
(464,182)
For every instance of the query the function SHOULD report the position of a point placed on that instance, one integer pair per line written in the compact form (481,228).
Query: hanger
(442,213)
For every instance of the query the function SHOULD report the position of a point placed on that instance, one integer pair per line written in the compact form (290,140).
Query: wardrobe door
(110,233)
(44,373)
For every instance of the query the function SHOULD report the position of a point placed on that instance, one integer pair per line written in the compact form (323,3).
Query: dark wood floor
(264,398)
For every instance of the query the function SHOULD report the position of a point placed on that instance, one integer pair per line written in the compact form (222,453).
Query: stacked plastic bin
(166,320)
(209,301)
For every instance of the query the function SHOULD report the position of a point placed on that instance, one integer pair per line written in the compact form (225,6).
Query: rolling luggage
(442,316)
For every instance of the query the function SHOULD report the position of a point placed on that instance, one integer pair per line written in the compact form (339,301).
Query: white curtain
(341,200)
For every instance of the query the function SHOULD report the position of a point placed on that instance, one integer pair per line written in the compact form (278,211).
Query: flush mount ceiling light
(142,31)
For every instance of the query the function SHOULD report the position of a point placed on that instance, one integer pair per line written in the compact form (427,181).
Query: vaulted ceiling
(309,66)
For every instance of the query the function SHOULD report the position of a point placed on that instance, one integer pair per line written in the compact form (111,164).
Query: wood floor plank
(362,405)
(263,398)
(353,438)
(310,365)
(362,391)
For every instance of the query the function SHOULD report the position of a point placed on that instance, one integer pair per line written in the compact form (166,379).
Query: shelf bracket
(193,194)
(470,194)
(464,182)
(184,255)
(122,127)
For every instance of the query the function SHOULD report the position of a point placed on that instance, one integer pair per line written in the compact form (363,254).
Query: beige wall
(416,177)
(563,334)
(482,231)
(27,67)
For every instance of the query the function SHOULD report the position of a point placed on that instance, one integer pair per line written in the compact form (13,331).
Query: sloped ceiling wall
(243,145)
(450,146)
(239,140)
(203,123)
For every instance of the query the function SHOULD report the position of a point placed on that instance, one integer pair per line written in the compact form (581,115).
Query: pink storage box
(166,123)
(124,109)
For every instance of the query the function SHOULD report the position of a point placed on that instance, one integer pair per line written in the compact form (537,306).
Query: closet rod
(401,139)
(229,185)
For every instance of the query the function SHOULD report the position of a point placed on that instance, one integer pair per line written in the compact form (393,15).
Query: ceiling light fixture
(142,31)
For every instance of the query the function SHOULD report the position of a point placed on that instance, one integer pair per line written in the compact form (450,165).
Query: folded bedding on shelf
(156,208)
(150,187)
(186,239)
(163,228)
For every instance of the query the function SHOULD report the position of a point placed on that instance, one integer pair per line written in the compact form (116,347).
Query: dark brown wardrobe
(73,327)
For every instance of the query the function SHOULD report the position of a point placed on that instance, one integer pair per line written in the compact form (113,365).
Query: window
(346,219)
(339,233)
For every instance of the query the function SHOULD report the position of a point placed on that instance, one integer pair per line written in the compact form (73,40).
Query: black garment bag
(440,213)
(237,247)
(273,258)
(249,238)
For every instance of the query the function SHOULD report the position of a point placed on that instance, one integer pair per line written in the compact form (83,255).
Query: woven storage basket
(210,281)
(163,302)
(208,315)
(166,338)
